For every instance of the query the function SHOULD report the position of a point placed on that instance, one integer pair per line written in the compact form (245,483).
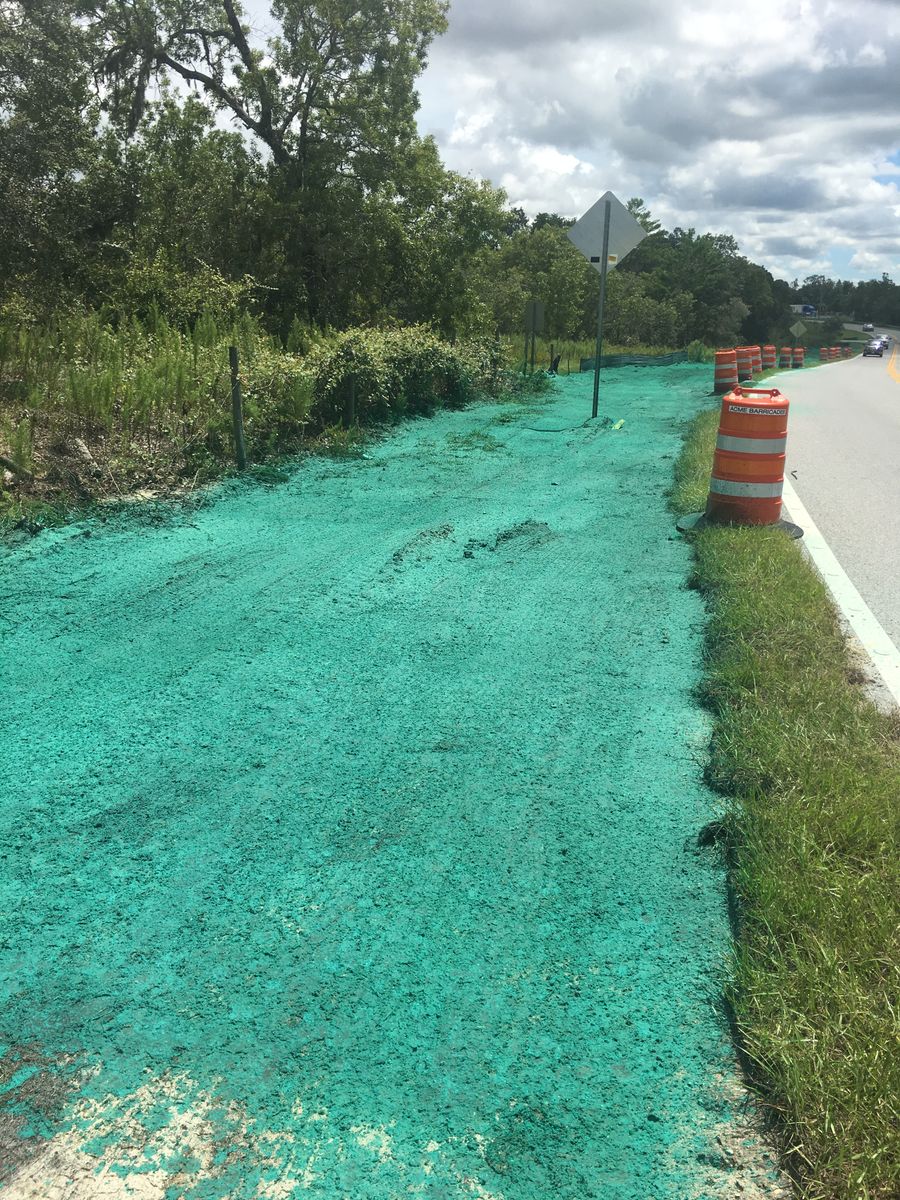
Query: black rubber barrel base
(694,522)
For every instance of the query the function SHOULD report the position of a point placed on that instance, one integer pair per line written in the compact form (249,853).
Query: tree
(551,221)
(634,317)
(641,214)
(47,147)
(540,264)
(331,101)
(650,254)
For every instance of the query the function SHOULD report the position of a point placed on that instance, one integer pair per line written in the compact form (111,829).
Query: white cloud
(778,121)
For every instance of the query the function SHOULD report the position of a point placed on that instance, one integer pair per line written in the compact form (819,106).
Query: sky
(776,121)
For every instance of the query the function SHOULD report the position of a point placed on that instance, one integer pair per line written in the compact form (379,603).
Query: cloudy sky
(777,121)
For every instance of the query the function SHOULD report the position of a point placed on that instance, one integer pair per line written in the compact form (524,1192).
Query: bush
(831,330)
(278,402)
(159,287)
(372,375)
(91,401)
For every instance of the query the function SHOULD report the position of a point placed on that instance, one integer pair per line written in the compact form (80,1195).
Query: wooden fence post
(237,410)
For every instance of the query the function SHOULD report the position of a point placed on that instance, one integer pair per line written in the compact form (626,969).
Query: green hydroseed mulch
(349,829)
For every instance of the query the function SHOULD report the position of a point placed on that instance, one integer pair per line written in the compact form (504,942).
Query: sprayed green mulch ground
(349,830)
(814,772)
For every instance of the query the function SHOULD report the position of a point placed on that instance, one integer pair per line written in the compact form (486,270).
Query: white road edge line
(881,650)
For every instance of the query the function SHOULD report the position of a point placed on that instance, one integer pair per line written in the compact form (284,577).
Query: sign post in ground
(534,323)
(604,235)
(237,409)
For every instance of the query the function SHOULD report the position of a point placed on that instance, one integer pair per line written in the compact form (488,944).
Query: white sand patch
(66,1170)
(171,1121)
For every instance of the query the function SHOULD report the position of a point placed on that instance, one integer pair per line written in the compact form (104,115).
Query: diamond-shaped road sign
(624,232)
(798,329)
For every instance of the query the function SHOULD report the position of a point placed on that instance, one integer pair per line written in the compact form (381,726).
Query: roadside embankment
(351,829)
(813,834)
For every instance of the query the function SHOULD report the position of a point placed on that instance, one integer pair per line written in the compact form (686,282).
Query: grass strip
(812,772)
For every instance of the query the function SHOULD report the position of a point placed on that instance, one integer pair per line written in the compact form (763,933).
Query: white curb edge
(878,646)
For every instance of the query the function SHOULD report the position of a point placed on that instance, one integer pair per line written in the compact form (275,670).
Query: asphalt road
(843,458)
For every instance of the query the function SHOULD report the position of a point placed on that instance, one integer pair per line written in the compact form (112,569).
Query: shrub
(150,400)
(155,287)
(279,397)
(381,375)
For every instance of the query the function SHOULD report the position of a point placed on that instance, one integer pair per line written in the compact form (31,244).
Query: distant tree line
(156,156)
(872,300)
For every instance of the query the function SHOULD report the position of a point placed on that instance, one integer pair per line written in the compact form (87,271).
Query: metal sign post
(604,263)
(604,235)
(534,323)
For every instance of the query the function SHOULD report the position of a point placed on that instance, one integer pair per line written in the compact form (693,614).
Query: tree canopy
(156,152)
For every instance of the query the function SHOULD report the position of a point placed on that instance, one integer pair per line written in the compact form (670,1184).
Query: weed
(476,440)
(336,441)
(94,407)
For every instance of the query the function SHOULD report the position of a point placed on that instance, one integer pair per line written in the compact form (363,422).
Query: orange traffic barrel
(726,373)
(848,353)
(798,355)
(756,351)
(785,356)
(835,353)
(768,358)
(824,354)
(744,362)
(748,466)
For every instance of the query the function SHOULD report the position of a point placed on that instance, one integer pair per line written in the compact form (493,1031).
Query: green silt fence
(635,360)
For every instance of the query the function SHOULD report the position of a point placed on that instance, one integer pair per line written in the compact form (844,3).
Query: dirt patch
(34,1091)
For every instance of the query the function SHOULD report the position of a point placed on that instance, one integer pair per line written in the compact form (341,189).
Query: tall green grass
(812,772)
(142,388)
(570,352)
(88,401)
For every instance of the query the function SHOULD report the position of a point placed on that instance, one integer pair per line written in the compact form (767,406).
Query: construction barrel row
(744,363)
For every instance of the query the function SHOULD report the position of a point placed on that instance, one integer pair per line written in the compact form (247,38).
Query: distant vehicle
(868,328)
(876,347)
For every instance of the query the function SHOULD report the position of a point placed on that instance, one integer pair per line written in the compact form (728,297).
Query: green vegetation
(136,234)
(363,282)
(89,408)
(323,206)
(813,775)
(830,331)
(876,300)
(138,237)
(571,352)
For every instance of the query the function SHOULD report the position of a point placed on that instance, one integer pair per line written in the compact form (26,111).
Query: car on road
(868,329)
(874,347)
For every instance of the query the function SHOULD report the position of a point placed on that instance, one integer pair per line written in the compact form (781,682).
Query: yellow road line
(894,370)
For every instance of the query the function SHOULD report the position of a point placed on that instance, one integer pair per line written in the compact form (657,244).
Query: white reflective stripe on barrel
(748,445)
(759,491)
